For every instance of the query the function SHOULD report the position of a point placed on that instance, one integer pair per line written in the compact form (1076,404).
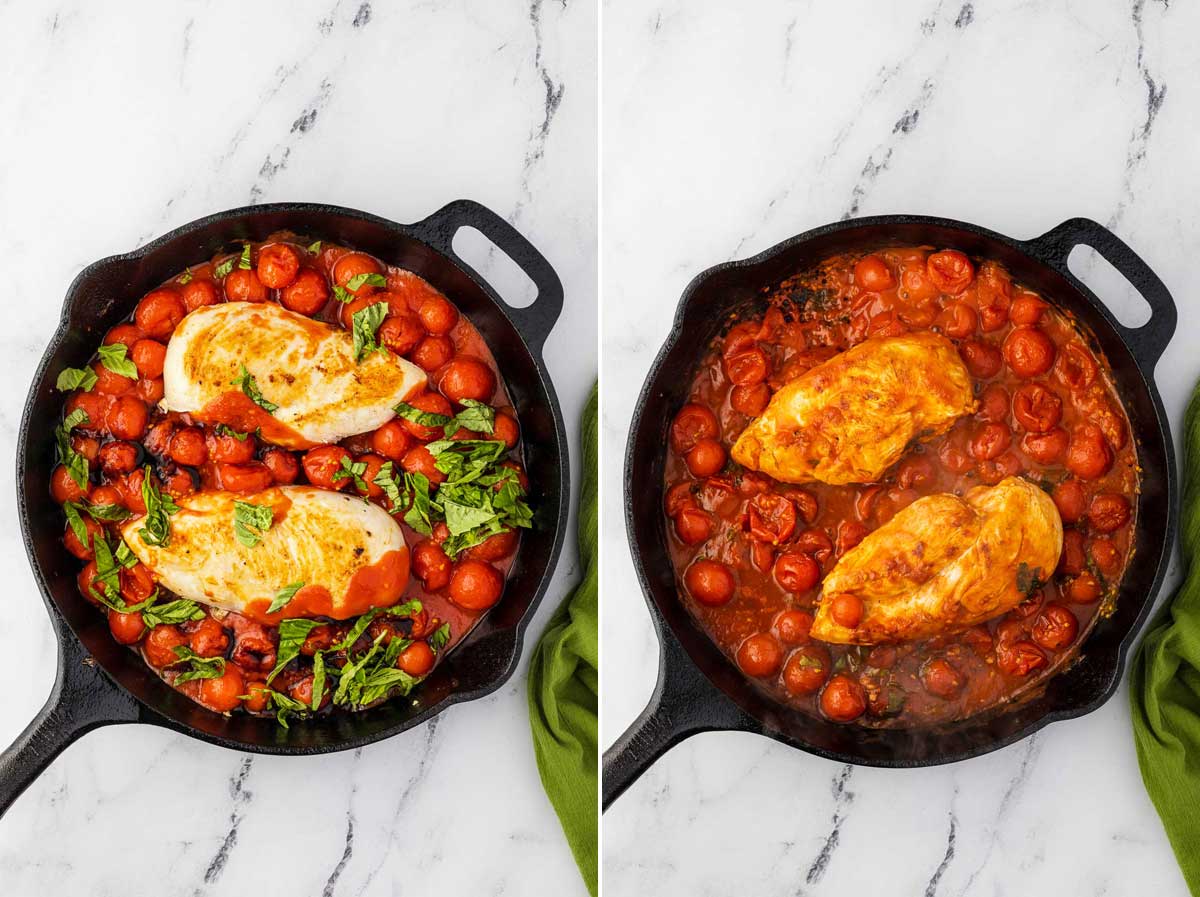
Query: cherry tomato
(506,429)
(846,610)
(75,546)
(992,470)
(1037,408)
(941,679)
(63,488)
(126,629)
(161,644)
(243,285)
(806,670)
(706,458)
(1075,368)
(916,285)
(1055,627)
(223,693)
(950,271)
(495,547)
(1019,658)
(127,418)
(159,312)
(475,585)
(356,264)
(1106,556)
(990,441)
(258,696)
(432,352)
(432,403)
(849,534)
(1069,498)
(374,465)
(843,700)
(750,400)
(199,293)
(1088,456)
(914,472)
(466,378)
(958,320)
(224,448)
(747,368)
(771,518)
(691,424)
(278,265)
(1071,561)
(1026,309)
(307,294)
(109,383)
(188,447)
(693,525)
(709,582)
(253,476)
(438,315)
(1046,448)
(209,638)
(322,463)
(982,359)
(431,565)
(796,571)
(148,356)
(1109,512)
(793,626)
(401,333)
(872,273)
(118,457)
(283,465)
(417,659)
(391,440)
(1084,589)
(760,655)
(994,404)
(1028,351)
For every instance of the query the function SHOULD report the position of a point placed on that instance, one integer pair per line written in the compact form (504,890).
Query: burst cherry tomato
(872,274)
(278,265)
(1028,351)
(692,423)
(307,294)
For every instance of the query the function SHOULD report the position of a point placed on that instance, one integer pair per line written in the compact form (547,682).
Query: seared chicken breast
(945,563)
(850,418)
(349,554)
(304,367)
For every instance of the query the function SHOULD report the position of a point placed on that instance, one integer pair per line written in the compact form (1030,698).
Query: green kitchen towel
(1165,683)
(563,685)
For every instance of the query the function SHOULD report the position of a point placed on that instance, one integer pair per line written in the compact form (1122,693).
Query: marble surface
(124,121)
(727,130)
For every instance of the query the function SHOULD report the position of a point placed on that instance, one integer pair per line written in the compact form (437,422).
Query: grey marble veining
(729,127)
(123,121)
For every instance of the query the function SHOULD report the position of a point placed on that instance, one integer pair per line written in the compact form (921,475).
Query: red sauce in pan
(126,432)
(1048,411)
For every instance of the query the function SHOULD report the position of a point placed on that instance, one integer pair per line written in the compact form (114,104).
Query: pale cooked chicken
(850,418)
(349,554)
(944,563)
(304,367)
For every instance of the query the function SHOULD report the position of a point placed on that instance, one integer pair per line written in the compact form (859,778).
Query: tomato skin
(278,265)
(771,518)
(760,655)
(475,585)
(950,271)
(843,700)
(994,404)
(321,463)
(871,273)
(990,441)
(797,572)
(307,294)
(709,582)
(1019,658)
(417,659)
(692,423)
(1037,408)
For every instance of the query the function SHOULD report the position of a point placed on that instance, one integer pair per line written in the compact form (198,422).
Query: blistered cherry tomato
(1075,368)
(1037,408)
(307,294)
(916,285)
(806,670)
(846,610)
(258,695)
(506,429)
(982,359)
(1055,627)
(709,582)
(1028,351)
(1108,512)
(793,626)
(223,693)
(872,273)
(225,448)
(126,629)
(466,378)
(706,458)
(283,465)
(772,518)
(750,400)
(159,312)
(374,465)
(110,383)
(747,368)
(243,285)
(1046,448)
(401,333)
(475,585)
(417,659)
(419,460)
(1088,456)
(199,293)
(322,463)
(356,264)
(148,356)
(391,440)
(432,352)
(1084,589)
(161,644)
(188,447)
(760,655)
(796,571)
(958,320)
(1069,498)
(994,404)
(495,547)
(437,315)
(941,679)
(81,549)
(63,488)
(693,525)
(209,638)
(692,423)
(843,699)
(1106,556)
(1026,309)
(278,265)
(432,403)
(127,418)
(990,441)
(431,565)
(253,476)
(950,271)
(1019,658)
(118,457)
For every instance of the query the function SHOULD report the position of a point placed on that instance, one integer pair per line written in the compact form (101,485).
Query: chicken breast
(303,366)
(850,418)
(349,554)
(945,563)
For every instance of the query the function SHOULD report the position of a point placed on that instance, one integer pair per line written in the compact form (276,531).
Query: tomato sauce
(126,431)
(750,552)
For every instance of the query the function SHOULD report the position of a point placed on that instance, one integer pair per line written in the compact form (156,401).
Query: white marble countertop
(726,131)
(121,125)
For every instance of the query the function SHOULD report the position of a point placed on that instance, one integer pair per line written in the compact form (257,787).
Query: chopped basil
(76,378)
(250,387)
(318,685)
(125,556)
(417,416)
(199,667)
(114,356)
(342,295)
(159,506)
(417,516)
(75,463)
(222,270)
(226,430)
(172,613)
(250,521)
(186,277)
(107,513)
(286,594)
(71,509)
(292,634)
(440,638)
(386,480)
(478,417)
(365,325)
(244,259)
(359,280)
(354,471)
(107,574)
(285,705)
(371,676)
(314,247)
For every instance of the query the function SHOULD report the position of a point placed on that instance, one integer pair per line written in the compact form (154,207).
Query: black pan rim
(63,629)
(664,629)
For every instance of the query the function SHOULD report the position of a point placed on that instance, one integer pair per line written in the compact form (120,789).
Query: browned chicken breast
(851,418)
(943,563)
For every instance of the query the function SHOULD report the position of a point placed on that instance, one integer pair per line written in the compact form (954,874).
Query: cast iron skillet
(698,690)
(99,682)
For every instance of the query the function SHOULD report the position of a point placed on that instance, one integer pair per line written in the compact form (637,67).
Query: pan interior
(738,286)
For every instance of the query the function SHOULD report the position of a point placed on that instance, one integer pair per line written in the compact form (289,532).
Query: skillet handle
(81,700)
(534,321)
(1148,341)
(684,704)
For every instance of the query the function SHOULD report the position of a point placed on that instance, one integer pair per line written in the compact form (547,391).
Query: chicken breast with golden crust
(850,418)
(944,563)
(349,554)
(304,367)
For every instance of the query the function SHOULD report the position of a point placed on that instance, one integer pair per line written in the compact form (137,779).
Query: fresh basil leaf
(417,416)
(125,556)
(292,633)
(76,378)
(318,686)
(107,513)
(199,667)
(285,705)
(185,278)
(356,631)
(286,594)
(244,258)
(352,470)
(439,638)
(159,506)
(464,518)
(75,463)
(477,417)
(226,430)
(250,521)
(314,247)
(365,325)
(250,387)
(342,295)
(172,613)
(78,527)
(386,480)
(114,356)
(358,280)
(107,572)
(222,270)
(417,516)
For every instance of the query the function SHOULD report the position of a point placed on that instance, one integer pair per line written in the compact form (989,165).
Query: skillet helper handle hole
(82,699)
(1059,248)
(524,276)
(684,703)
